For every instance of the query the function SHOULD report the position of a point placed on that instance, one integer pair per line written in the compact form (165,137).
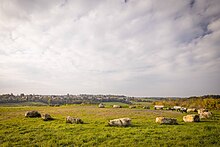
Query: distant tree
(49,101)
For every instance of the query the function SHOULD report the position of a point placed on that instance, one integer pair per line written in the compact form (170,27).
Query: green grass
(16,130)
(142,103)
(23,104)
(110,104)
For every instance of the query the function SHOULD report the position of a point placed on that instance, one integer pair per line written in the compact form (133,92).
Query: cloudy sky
(130,47)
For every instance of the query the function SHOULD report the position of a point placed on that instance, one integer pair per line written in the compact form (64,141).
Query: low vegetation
(17,130)
(211,102)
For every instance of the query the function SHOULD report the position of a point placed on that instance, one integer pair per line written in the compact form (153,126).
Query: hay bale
(122,122)
(191,118)
(168,121)
(32,114)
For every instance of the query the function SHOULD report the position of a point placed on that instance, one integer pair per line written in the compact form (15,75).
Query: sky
(129,47)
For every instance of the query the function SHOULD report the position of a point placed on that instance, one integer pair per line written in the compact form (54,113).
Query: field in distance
(16,130)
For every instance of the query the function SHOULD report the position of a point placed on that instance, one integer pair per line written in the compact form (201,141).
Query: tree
(49,101)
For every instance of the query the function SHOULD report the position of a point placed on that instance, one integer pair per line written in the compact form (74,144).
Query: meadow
(16,130)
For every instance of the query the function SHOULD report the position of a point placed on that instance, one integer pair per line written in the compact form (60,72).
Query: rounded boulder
(32,114)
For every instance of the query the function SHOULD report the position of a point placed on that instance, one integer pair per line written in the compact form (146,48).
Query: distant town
(64,99)
(84,98)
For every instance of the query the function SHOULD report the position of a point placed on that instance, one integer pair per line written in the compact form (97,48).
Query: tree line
(206,101)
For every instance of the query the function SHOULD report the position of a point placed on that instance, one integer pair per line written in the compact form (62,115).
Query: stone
(132,107)
(101,105)
(164,120)
(46,117)
(32,114)
(205,115)
(146,107)
(191,118)
(191,110)
(122,122)
(72,120)
(202,110)
(177,108)
(158,107)
(116,106)
(183,109)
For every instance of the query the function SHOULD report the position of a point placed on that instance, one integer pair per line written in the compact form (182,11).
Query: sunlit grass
(15,129)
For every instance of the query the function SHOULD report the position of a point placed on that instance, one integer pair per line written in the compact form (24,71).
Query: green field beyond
(16,130)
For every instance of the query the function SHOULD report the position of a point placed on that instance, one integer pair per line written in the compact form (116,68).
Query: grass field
(16,130)
(110,104)
(23,104)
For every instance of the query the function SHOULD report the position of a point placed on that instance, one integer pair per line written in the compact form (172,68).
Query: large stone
(116,106)
(164,120)
(202,110)
(72,120)
(146,107)
(157,107)
(191,118)
(177,108)
(132,107)
(120,122)
(205,115)
(101,105)
(189,110)
(46,117)
(32,114)
(183,109)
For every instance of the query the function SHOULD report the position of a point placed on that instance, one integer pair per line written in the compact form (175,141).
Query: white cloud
(134,48)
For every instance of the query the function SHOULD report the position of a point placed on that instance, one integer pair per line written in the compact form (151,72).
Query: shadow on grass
(208,121)
(131,126)
(86,123)
(179,124)
(51,119)
(200,122)
(134,126)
